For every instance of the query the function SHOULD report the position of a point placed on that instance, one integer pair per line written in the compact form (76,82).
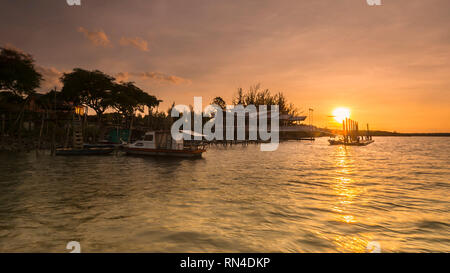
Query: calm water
(305,197)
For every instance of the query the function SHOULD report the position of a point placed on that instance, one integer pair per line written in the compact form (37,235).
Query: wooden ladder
(77,133)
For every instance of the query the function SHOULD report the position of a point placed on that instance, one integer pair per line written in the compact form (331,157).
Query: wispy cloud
(98,38)
(136,42)
(153,76)
(122,77)
(163,78)
(13,47)
(50,77)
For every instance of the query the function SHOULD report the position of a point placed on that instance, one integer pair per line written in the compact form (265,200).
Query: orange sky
(389,64)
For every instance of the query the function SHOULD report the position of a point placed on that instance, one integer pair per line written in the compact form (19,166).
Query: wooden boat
(88,149)
(351,135)
(162,144)
(85,151)
(356,143)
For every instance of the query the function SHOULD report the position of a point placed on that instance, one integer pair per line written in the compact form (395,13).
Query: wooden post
(131,128)
(357,131)
(350,130)
(343,128)
(40,134)
(3,124)
(53,148)
(346,130)
(353,130)
(55,122)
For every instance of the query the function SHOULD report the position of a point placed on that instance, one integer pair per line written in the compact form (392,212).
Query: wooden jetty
(78,147)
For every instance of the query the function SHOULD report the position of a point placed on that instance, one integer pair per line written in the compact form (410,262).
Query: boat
(354,143)
(161,143)
(351,135)
(86,150)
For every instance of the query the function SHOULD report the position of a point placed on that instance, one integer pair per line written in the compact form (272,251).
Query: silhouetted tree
(90,88)
(219,102)
(257,96)
(239,98)
(17,72)
(127,98)
(10,102)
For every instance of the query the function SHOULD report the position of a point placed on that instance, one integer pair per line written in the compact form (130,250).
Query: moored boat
(104,150)
(354,143)
(351,135)
(161,143)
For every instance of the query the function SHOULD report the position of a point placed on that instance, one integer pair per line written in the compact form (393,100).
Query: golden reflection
(346,193)
(352,243)
(343,187)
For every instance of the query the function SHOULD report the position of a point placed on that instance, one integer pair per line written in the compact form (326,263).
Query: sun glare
(341,113)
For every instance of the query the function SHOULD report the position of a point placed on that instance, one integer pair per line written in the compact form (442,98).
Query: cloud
(122,76)
(98,38)
(153,76)
(136,42)
(163,78)
(50,77)
(13,47)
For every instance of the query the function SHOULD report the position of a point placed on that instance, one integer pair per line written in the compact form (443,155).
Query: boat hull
(338,142)
(103,151)
(165,152)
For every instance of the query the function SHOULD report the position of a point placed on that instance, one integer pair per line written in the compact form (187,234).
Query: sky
(389,64)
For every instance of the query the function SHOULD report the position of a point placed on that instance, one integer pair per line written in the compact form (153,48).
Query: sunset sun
(341,114)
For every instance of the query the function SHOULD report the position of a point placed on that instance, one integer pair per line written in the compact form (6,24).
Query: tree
(239,98)
(17,72)
(90,88)
(219,102)
(10,102)
(257,96)
(127,98)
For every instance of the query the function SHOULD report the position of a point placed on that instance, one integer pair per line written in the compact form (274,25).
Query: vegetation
(257,96)
(219,102)
(48,118)
(90,88)
(21,107)
(17,72)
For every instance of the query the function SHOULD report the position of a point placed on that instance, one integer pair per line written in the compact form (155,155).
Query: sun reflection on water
(346,193)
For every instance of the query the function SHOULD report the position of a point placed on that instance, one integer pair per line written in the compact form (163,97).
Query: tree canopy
(219,102)
(91,88)
(17,72)
(258,96)
(127,98)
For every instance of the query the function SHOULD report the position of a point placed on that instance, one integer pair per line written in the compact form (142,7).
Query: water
(305,197)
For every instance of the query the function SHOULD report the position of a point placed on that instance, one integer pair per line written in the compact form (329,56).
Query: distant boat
(161,143)
(354,143)
(351,135)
